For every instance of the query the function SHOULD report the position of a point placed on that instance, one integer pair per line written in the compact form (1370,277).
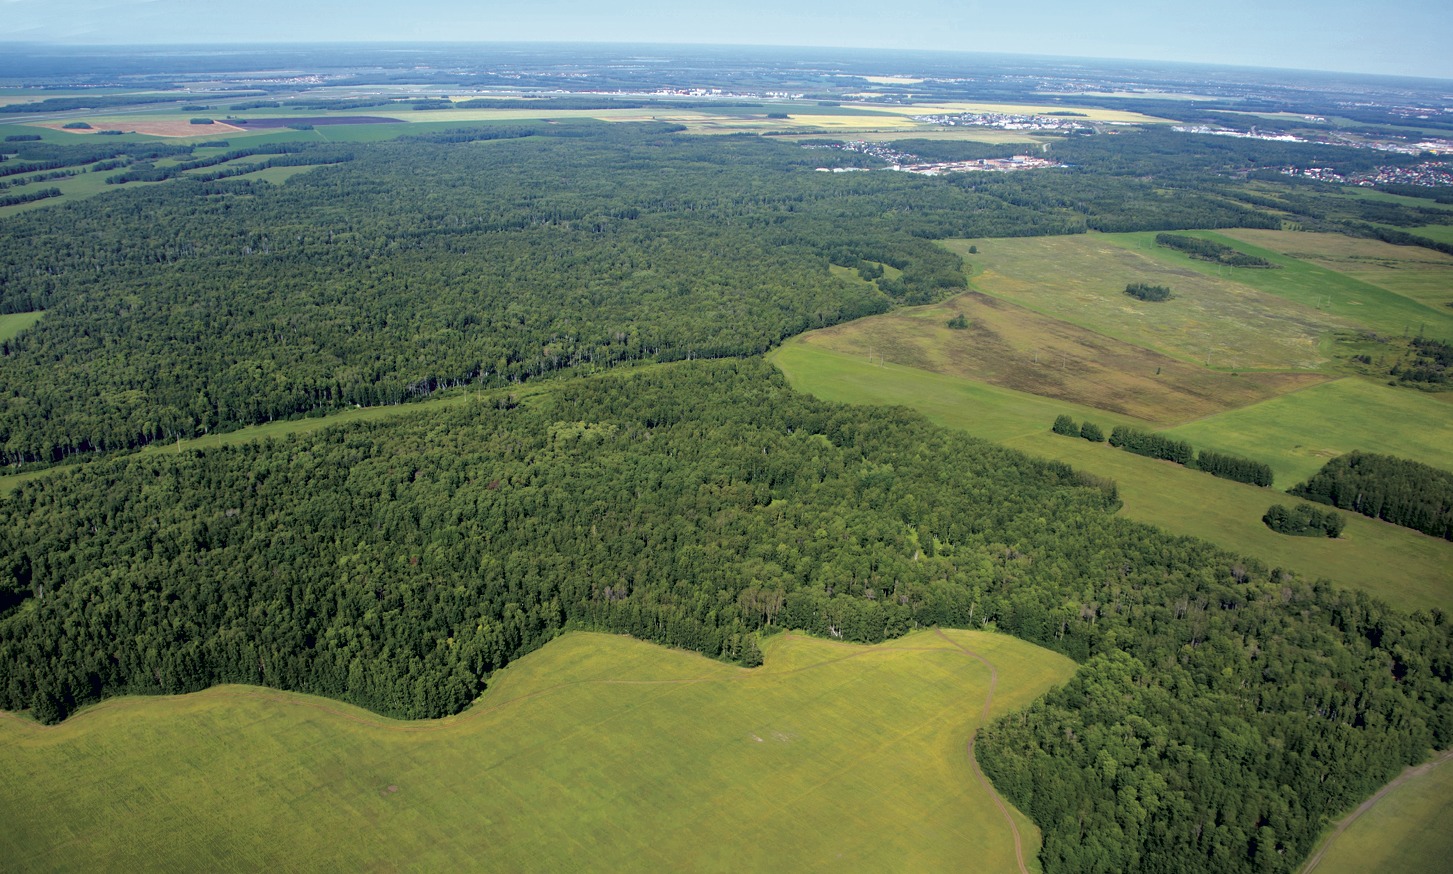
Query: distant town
(906,162)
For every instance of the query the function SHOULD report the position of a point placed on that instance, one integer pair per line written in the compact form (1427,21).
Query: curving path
(1408,774)
(974,762)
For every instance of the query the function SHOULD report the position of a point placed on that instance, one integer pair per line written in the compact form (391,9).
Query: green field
(1011,347)
(596,752)
(1298,433)
(986,411)
(1441,233)
(1407,827)
(1408,569)
(1421,274)
(11,324)
(1319,293)
(1214,320)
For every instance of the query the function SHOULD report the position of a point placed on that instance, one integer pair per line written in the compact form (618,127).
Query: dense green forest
(1396,490)
(490,256)
(1224,709)
(1223,712)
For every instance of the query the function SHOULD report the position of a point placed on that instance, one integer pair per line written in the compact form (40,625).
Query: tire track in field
(974,762)
(1408,774)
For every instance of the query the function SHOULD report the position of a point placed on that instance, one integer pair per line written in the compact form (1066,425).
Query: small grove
(1397,490)
(1222,713)
(1218,464)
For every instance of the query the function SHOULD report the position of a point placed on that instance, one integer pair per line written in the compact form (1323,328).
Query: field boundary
(1410,773)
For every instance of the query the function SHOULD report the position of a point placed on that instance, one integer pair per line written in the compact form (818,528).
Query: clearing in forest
(1012,347)
(596,752)
(1222,322)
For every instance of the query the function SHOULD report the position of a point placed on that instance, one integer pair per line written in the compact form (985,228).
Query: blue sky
(1410,37)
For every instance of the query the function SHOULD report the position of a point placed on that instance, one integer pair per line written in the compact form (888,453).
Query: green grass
(1441,233)
(1407,569)
(1336,296)
(1421,274)
(11,324)
(985,411)
(1213,320)
(596,752)
(1299,432)
(1011,347)
(1408,829)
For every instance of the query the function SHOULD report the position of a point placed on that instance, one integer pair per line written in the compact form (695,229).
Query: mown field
(1407,569)
(1298,433)
(1012,347)
(1408,827)
(1212,319)
(1338,297)
(596,752)
(1424,275)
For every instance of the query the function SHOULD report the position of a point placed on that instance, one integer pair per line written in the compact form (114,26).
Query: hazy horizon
(1335,36)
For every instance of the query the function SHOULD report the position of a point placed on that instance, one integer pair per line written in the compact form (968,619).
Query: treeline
(1222,714)
(1065,425)
(92,101)
(28,196)
(1304,520)
(1234,467)
(325,154)
(1151,445)
(1208,250)
(1218,464)
(1396,490)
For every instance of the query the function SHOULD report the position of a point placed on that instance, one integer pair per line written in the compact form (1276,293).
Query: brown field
(1422,274)
(1012,347)
(151,128)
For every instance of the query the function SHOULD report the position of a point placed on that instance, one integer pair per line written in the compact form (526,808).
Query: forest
(1223,712)
(1395,490)
(560,246)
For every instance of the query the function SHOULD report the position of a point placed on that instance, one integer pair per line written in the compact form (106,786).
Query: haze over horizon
(1333,35)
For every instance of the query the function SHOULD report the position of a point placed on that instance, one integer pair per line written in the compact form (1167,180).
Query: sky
(1406,38)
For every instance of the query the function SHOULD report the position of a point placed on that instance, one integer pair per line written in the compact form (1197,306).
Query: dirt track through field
(1408,774)
(974,762)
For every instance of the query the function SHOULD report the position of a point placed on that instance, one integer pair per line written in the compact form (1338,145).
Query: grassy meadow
(1410,828)
(986,411)
(1211,319)
(12,324)
(596,752)
(1299,432)
(1011,347)
(1339,298)
(1423,275)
